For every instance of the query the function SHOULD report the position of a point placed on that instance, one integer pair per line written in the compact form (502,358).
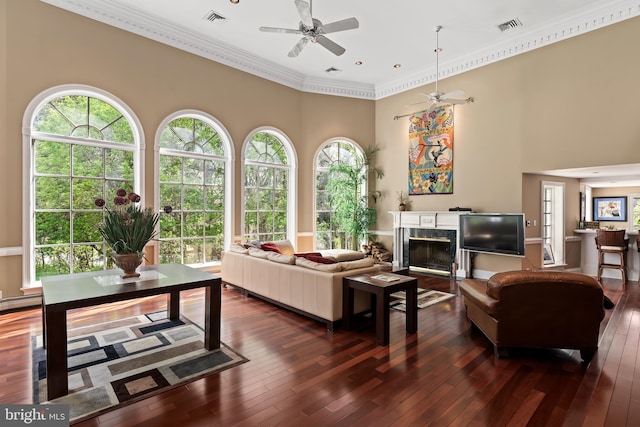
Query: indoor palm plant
(127,228)
(348,199)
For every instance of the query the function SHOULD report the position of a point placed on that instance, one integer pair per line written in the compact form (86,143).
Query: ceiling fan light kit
(314,30)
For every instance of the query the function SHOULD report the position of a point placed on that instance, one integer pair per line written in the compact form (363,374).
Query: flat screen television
(493,233)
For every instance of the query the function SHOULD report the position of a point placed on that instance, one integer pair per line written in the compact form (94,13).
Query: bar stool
(612,242)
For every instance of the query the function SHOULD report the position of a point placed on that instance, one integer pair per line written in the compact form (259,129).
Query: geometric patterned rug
(119,362)
(426,297)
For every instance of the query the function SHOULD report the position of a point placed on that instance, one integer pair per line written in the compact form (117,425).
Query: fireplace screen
(431,255)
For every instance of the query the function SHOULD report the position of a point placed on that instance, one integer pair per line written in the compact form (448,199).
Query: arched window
(82,143)
(335,151)
(194,178)
(269,187)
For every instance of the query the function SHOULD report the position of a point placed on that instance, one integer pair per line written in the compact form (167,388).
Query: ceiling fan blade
(419,103)
(453,101)
(343,25)
(304,10)
(332,46)
(279,30)
(453,94)
(298,47)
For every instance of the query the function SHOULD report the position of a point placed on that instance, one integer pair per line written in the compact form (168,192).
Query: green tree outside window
(192,182)
(266,182)
(82,148)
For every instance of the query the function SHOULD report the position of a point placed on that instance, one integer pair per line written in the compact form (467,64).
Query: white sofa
(305,287)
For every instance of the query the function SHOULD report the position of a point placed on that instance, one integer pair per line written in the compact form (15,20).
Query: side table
(381,291)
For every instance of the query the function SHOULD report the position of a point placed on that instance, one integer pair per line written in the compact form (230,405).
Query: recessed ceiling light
(358,62)
(397,66)
(235,1)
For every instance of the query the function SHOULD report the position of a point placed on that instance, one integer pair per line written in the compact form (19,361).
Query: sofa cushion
(253,243)
(285,246)
(320,259)
(258,253)
(282,259)
(360,263)
(238,249)
(308,254)
(269,246)
(331,268)
(342,254)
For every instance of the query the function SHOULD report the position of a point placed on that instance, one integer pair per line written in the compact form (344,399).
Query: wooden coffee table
(69,291)
(381,291)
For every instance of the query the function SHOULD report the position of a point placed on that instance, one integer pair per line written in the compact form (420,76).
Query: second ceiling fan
(314,30)
(438,97)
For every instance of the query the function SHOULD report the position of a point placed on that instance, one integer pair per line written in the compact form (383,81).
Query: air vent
(332,70)
(514,23)
(214,16)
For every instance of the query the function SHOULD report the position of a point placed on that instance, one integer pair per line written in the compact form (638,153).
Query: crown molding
(561,29)
(119,15)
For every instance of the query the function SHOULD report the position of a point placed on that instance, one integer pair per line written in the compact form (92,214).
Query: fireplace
(430,250)
(434,246)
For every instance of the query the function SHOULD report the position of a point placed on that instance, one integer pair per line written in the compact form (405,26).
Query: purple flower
(134,197)
(168,209)
(121,192)
(99,202)
(119,200)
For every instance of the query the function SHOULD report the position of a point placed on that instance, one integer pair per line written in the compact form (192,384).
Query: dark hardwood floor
(301,374)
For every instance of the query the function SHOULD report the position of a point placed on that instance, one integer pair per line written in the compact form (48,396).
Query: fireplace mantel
(448,220)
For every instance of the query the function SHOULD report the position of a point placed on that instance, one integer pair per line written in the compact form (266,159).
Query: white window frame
(334,140)
(37,103)
(292,166)
(228,167)
(557,239)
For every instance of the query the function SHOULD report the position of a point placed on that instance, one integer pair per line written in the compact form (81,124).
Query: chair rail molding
(11,251)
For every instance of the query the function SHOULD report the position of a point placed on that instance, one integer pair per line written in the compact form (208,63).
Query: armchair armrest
(475,292)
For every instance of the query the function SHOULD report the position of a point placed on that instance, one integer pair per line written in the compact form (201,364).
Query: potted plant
(351,211)
(127,229)
(402,201)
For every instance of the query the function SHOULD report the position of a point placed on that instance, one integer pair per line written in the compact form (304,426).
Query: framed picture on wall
(609,208)
(634,211)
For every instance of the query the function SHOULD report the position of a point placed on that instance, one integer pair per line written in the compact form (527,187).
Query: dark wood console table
(381,291)
(69,291)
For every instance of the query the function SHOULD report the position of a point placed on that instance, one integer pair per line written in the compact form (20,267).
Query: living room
(511,96)
(566,105)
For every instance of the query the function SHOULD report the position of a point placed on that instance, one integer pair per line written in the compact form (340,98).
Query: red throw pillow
(270,247)
(308,254)
(321,260)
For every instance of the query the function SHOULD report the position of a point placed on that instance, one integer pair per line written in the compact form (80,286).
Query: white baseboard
(482,274)
(20,302)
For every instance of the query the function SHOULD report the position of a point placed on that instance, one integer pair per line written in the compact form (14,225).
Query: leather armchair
(537,309)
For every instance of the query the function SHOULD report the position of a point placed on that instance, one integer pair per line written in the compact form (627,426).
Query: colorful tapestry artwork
(431,151)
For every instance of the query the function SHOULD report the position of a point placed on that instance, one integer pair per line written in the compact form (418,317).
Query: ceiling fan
(314,30)
(438,97)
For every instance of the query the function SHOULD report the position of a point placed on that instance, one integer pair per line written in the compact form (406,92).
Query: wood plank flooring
(301,374)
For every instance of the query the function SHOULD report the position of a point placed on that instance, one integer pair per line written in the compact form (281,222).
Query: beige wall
(570,104)
(47,46)
(10,222)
